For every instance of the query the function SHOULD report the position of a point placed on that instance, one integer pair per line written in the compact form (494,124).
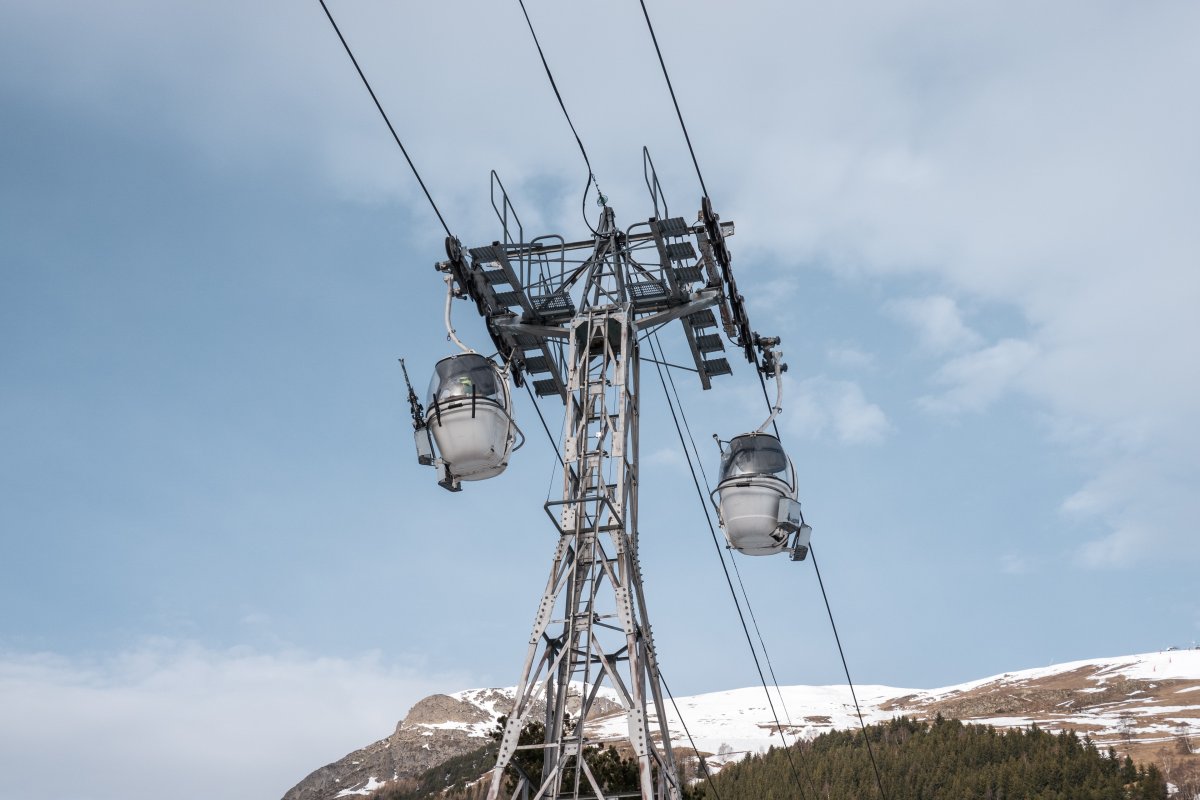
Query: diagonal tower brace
(592,628)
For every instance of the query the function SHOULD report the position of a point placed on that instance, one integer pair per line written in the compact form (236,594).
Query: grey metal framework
(592,627)
(570,315)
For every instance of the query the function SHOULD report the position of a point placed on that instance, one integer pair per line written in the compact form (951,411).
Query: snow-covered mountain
(1128,702)
(1145,705)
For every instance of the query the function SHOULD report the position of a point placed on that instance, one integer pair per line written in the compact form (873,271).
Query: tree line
(939,760)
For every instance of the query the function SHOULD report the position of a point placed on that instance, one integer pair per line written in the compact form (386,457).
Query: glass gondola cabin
(468,411)
(757,495)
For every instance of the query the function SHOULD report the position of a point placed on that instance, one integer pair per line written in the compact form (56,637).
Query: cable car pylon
(567,315)
(543,323)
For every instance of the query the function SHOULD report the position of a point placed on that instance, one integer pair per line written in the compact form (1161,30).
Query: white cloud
(196,722)
(1094,499)
(1119,548)
(848,356)
(937,322)
(1135,509)
(777,296)
(1012,564)
(1048,173)
(255,619)
(999,150)
(666,457)
(819,406)
(978,379)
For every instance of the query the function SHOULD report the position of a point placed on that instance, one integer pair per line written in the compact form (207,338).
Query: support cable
(671,88)
(733,560)
(582,150)
(549,435)
(733,593)
(761,642)
(829,610)
(696,750)
(853,694)
(383,113)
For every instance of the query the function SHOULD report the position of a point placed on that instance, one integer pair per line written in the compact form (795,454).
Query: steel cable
(383,113)
(829,610)
(708,488)
(703,763)
(853,694)
(671,88)
(729,581)
(561,104)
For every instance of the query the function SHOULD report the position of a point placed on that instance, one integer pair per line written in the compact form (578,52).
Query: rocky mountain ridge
(1146,705)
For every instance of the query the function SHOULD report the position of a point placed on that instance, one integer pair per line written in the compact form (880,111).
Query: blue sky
(974,229)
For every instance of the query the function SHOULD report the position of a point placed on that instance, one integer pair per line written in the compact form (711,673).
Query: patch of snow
(448,726)
(1173,664)
(741,719)
(370,786)
(1010,722)
(1170,664)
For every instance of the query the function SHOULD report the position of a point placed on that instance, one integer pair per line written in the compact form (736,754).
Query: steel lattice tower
(573,324)
(592,627)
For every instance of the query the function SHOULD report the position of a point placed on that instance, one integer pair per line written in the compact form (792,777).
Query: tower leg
(591,634)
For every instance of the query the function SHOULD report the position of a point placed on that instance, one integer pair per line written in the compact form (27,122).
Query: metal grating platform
(536,364)
(673,226)
(681,251)
(553,304)
(718,366)
(547,388)
(647,291)
(486,253)
(509,299)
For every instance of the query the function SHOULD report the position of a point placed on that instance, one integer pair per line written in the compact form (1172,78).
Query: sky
(973,226)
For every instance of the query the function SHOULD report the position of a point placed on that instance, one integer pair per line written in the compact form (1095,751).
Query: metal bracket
(771,366)
(446,479)
(799,549)
(739,320)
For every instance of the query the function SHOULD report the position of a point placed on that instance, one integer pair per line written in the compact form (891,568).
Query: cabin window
(755,454)
(462,376)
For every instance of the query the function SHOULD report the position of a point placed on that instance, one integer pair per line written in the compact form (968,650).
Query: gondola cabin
(757,497)
(468,411)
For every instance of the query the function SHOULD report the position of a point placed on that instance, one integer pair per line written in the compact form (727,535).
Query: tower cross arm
(513,325)
(700,299)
